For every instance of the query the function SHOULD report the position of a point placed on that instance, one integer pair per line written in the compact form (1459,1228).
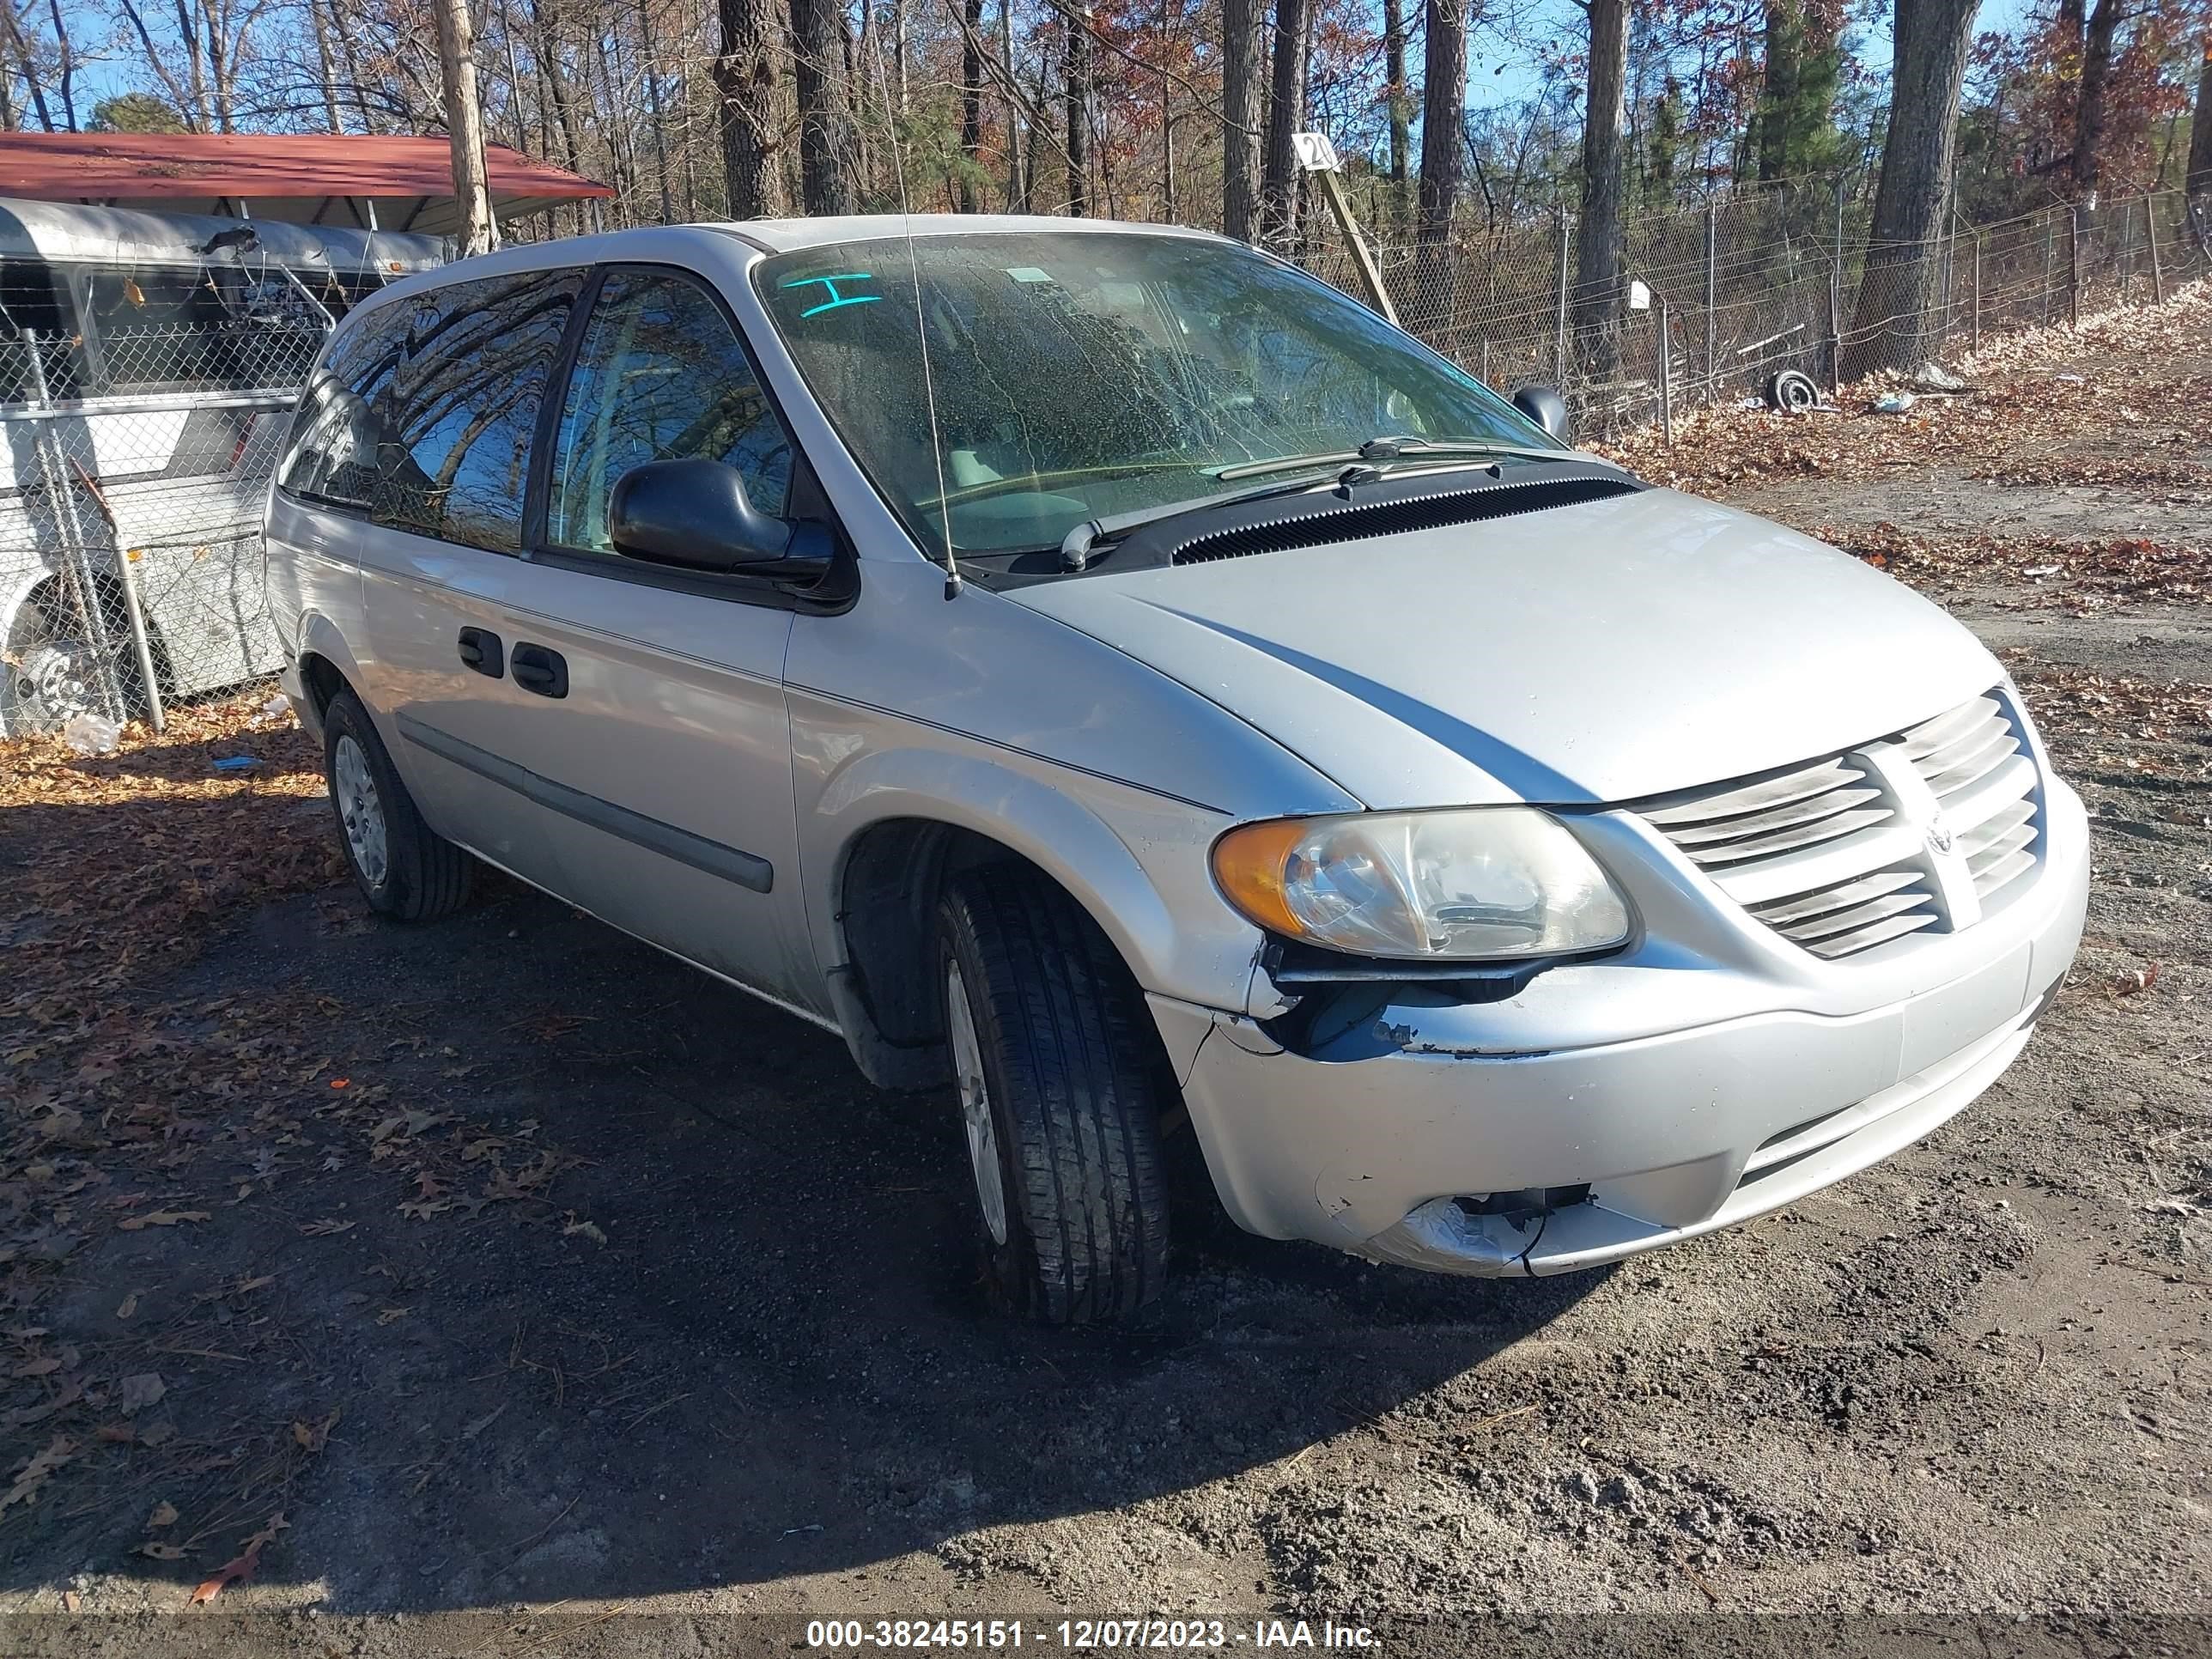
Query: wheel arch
(900,825)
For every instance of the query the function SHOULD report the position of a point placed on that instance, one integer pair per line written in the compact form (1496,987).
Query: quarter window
(338,429)
(661,376)
(457,454)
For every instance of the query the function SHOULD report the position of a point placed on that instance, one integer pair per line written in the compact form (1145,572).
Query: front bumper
(1368,1140)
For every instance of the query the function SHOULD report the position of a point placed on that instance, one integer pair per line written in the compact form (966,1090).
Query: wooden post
(2150,230)
(1362,257)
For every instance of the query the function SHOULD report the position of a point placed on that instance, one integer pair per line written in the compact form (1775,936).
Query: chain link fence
(142,423)
(1716,299)
(144,413)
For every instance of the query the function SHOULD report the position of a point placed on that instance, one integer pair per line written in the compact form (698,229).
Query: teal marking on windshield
(829,287)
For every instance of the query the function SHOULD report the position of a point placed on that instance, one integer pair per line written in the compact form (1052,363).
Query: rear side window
(338,432)
(659,376)
(456,456)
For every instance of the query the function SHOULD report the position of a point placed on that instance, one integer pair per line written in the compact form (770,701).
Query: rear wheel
(1060,1093)
(47,674)
(404,868)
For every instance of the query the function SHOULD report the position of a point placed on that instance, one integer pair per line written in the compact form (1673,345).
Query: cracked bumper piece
(1434,1146)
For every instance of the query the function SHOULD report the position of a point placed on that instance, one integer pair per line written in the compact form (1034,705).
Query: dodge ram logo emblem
(1939,835)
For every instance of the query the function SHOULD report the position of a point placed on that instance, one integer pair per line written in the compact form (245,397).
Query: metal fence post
(1560,344)
(76,557)
(1977,292)
(2072,266)
(1712,295)
(2150,230)
(1665,377)
(2050,247)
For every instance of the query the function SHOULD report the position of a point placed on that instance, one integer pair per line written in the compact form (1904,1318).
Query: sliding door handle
(536,669)
(480,650)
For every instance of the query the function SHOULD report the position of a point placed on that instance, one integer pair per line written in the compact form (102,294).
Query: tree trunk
(465,129)
(1033,157)
(971,103)
(1598,249)
(22,53)
(1241,54)
(2089,101)
(1078,112)
(1286,115)
(1443,118)
(817,28)
(1893,322)
(1399,106)
(2198,179)
(744,71)
(1777,97)
(1018,185)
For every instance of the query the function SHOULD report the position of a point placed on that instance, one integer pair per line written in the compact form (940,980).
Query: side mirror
(695,514)
(1543,406)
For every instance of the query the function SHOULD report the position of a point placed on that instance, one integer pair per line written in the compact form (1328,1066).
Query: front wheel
(1061,1088)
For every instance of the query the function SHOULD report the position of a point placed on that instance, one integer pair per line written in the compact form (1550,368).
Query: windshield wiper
(1381,452)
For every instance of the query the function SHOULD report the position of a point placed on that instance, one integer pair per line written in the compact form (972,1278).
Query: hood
(1598,652)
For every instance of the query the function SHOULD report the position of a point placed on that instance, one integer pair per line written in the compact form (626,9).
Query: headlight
(1466,884)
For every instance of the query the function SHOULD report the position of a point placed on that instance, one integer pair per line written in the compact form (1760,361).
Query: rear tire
(405,869)
(1058,1080)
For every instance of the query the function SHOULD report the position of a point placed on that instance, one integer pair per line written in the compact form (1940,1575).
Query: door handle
(480,650)
(538,669)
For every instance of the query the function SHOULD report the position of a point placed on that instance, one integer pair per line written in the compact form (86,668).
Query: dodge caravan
(1105,670)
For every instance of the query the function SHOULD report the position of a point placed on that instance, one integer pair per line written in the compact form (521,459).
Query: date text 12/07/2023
(1085,1635)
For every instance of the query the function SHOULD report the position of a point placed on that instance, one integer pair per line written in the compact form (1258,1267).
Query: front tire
(1061,1086)
(405,869)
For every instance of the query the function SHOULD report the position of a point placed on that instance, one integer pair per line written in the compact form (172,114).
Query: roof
(790,236)
(298,178)
(62,232)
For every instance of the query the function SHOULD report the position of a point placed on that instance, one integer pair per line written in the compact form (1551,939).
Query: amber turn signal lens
(1249,863)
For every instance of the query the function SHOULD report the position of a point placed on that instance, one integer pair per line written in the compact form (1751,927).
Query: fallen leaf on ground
(589,1229)
(136,1393)
(32,1475)
(241,1565)
(313,1435)
(164,1515)
(2139,979)
(129,1306)
(161,1552)
(157,1434)
(326,1227)
(161,1218)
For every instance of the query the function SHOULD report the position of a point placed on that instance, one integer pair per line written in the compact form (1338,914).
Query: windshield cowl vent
(1361,520)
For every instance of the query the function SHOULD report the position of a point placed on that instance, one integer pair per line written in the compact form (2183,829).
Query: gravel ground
(556,1300)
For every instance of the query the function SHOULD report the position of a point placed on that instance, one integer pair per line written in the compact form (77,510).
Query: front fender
(1136,861)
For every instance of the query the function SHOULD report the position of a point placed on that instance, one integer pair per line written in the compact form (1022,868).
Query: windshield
(1084,374)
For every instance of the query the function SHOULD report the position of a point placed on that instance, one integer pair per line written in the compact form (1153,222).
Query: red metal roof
(277,175)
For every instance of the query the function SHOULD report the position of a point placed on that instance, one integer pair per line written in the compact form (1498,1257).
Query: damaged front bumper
(1499,1138)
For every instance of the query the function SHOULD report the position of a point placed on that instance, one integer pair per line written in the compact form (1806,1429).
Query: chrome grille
(1914,831)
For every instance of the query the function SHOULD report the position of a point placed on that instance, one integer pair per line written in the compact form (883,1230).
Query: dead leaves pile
(2046,572)
(2115,724)
(2097,406)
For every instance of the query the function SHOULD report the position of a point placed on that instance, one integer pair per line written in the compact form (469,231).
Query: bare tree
(745,86)
(825,140)
(1078,109)
(2199,177)
(2089,100)
(1398,103)
(465,127)
(1286,114)
(1443,118)
(1243,23)
(971,102)
(1890,322)
(1598,240)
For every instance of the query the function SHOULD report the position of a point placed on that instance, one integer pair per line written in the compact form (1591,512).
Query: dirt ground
(505,1287)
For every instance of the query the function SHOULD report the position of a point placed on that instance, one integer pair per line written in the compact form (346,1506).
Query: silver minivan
(1104,669)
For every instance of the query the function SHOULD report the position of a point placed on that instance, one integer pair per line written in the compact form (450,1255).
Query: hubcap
(360,811)
(53,682)
(975,1103)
